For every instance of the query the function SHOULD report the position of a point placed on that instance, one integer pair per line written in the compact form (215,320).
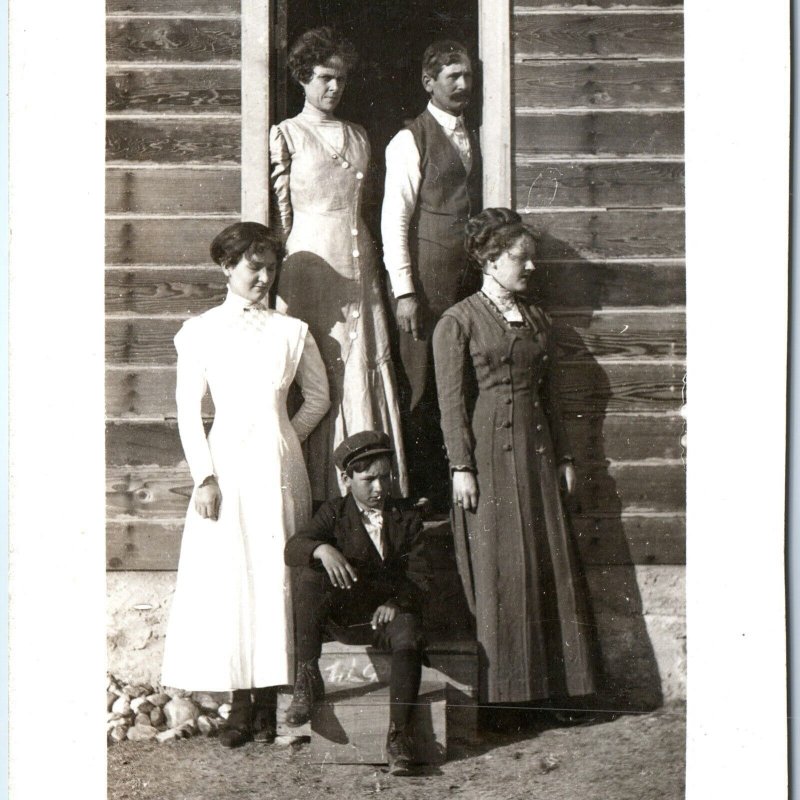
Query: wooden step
(452,663)
(350,725)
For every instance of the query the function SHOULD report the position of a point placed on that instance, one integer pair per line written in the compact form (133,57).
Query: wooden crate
(350,725)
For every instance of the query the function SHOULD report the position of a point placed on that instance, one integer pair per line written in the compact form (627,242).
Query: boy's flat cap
(359,445)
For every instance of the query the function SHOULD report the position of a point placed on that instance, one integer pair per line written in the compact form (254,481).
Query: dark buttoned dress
(497,386)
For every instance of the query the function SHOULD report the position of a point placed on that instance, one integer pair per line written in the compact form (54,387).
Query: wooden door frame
(262,27)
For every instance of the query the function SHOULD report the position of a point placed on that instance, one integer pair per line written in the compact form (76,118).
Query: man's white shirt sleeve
(403,179)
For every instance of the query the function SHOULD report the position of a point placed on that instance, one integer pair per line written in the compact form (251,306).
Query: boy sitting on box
(359,563)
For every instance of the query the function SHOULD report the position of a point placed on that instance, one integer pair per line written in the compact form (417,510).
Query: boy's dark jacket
(338,523)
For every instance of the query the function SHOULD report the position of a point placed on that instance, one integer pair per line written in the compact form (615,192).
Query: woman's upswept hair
(492,232)
(248,239)
(315,48)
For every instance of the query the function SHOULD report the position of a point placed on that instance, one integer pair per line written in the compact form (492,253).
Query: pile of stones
(140,713)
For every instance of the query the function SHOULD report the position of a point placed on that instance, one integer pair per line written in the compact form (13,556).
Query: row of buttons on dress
(353,231)
(536,404)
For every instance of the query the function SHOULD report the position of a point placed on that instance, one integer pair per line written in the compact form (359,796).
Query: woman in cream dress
(330,277)
(230,625)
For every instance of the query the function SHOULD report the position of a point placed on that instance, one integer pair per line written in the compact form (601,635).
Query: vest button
(345,164)
(506,380)
(507,448)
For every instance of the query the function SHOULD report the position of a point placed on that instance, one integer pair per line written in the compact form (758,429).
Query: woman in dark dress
(510,461)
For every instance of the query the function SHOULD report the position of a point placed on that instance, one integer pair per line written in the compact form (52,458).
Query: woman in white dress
(230,626)
(330,277)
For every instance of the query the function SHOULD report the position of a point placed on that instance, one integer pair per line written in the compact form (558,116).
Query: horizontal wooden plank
(164,291)
(545,5)
(587,388)
(625,487)
(131,393)
(631,539)
(616,233)
(594,438)
(155,493)
(593,284)
(597,284)
(141,341)
(143,545)
(639,184)
(602,541)
(606,133)
(172,40)
(174,141)
(162,241)
(173,191)
(170,91)
(631,335)
(580,335)
(628,35)
(177,7)
(604,84)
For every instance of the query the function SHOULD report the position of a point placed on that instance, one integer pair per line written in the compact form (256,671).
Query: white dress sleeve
(403,178)
(190,387)
(312,379)
(280,158)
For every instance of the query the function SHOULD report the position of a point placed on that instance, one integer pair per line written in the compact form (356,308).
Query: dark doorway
(385,89)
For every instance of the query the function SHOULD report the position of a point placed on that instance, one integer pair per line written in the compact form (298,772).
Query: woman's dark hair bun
(491,232)
(244,239)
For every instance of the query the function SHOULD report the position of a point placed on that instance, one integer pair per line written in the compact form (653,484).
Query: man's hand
(409,316)
(384,614)
(339,570)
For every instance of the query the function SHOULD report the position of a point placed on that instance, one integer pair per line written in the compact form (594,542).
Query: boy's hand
(339,570)
(384,614)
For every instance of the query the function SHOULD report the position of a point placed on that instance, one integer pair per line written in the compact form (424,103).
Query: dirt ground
(631,757)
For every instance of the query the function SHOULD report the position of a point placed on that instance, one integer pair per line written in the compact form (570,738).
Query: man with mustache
(433,185)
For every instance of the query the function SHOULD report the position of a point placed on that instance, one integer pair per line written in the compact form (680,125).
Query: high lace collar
(499,295)
(313,114)
(235,302)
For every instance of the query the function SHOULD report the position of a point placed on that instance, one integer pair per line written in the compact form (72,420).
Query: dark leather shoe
(265,705)
(265,725)
(308,690)
(398,751)
(235,737)
(238,730)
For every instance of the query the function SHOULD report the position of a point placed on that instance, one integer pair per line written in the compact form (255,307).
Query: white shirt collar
(235,302)
(443,118)
(370,512)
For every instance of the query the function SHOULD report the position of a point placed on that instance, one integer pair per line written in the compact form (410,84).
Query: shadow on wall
(630,678)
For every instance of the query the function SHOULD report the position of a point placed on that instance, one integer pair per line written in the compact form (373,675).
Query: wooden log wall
(597,94)
(173,181)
